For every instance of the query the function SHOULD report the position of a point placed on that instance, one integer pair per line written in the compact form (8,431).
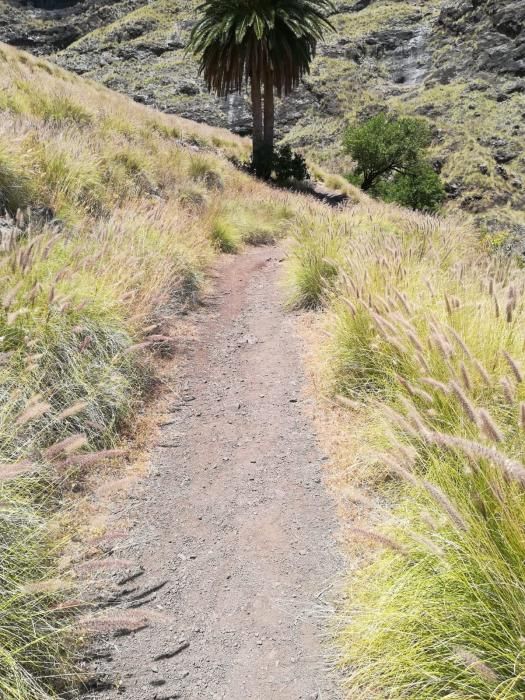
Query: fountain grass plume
(417,342)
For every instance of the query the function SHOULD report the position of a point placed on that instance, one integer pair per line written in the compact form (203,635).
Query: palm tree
(269,44)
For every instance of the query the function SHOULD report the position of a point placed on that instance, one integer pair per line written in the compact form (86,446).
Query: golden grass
(424,346)
(111,214)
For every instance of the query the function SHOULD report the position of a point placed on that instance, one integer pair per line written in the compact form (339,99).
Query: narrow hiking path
(234,523)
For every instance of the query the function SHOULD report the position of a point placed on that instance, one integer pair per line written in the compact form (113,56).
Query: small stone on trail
(157,682)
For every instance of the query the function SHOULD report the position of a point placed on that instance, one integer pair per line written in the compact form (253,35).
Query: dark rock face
(480,36)
(490,32)
(50,4)
(47,26)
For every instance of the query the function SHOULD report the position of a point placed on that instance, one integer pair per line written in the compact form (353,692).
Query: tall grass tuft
(15,183)
(225,236)
(314,261)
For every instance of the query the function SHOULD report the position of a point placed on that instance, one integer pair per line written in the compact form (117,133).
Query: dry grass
(111,214)
(423,344)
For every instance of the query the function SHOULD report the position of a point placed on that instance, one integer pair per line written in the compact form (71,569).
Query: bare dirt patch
(234,529)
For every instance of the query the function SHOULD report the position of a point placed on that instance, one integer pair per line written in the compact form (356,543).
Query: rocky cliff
(460,64)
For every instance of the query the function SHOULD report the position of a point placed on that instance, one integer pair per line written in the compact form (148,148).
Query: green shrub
(385,144)
(288,165)
(421,188)
(390,156)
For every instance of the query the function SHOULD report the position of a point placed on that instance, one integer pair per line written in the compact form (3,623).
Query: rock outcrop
(489,36)
(47,26)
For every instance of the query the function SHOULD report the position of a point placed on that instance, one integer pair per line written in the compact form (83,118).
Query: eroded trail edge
(234,524)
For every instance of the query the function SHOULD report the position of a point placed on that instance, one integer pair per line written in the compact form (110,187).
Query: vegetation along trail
(235,524)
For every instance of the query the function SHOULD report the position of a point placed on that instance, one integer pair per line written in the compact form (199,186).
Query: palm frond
(240,41)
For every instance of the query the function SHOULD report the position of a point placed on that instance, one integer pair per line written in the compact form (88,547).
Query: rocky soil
(233,533)
(46,26)
(459,64)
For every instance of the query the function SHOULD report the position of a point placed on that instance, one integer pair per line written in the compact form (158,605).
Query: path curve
(235,521)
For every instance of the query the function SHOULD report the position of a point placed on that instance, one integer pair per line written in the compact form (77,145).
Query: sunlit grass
(314,261)
(113,214)
(425,346)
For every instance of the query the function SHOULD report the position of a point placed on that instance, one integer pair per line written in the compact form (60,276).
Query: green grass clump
(444,618)
(58,109)
(35,647)
(203,169)
(259,223)
(15,185)
(71,175)
(259,235)
(314,263)
(54,108)
(225,236)
(65,374)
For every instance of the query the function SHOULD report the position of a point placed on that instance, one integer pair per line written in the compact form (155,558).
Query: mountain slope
(460,65)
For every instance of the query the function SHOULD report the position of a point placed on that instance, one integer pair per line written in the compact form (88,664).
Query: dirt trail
(235,520)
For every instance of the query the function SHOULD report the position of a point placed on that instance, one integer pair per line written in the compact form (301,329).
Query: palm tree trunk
(258,135)
(269,120)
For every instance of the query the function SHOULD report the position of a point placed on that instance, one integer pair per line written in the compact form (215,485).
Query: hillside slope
(114,213)
(460,65)
(111,214)
(420,356)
